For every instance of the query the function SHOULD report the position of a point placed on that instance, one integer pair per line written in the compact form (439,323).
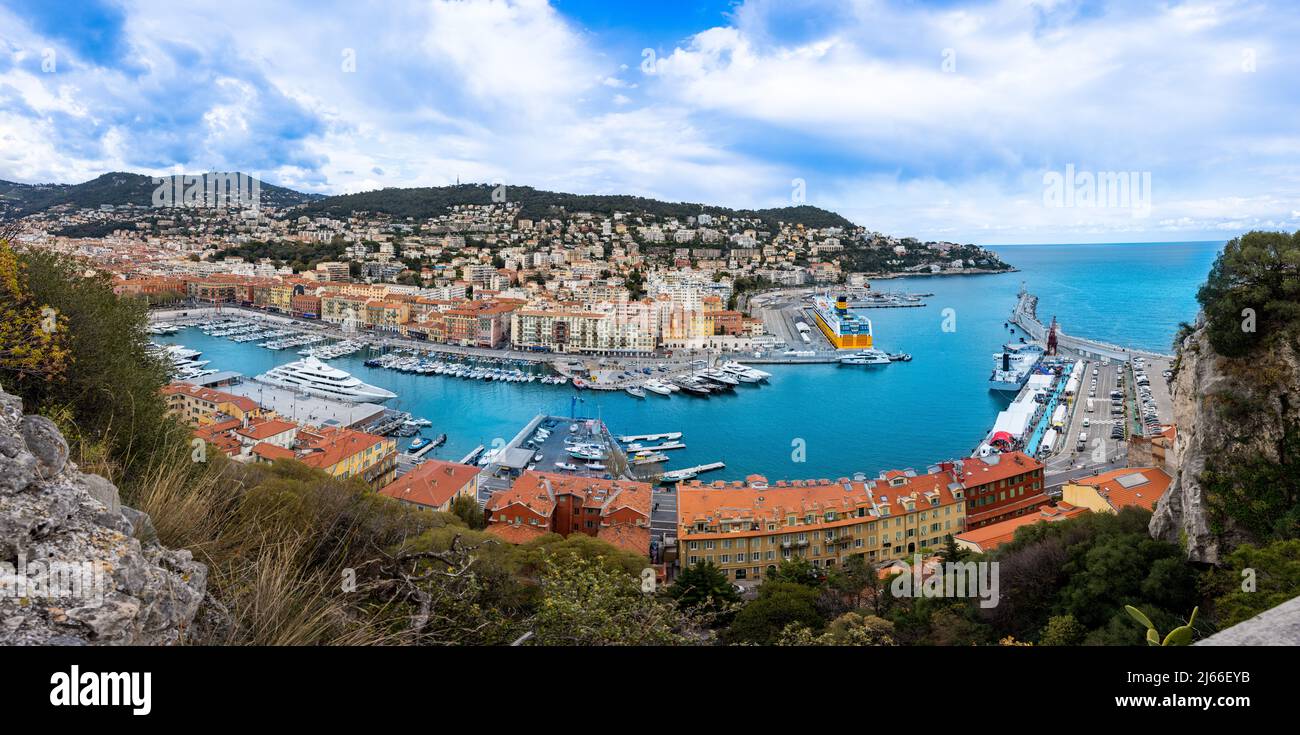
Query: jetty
(656,448)
(690,473)
(1025,316)
(628,439)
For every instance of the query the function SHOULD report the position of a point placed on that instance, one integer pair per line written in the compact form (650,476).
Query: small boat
(566,466)
(440,440)
(419,422)
(900,357)
(595,466)
(419,442)
(635,391)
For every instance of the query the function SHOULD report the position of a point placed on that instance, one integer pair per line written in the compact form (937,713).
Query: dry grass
(266,577)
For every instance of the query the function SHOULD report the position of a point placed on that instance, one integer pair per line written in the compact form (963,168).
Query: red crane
(1051,338)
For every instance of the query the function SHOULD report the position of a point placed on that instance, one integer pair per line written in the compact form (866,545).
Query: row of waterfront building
(745,528)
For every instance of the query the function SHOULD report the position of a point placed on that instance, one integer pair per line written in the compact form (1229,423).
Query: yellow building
(347,453)
(748,528)
(1122,488)
(198,406)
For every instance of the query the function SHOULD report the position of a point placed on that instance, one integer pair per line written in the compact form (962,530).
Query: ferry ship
(315,378)
(845,329)
(1013,366)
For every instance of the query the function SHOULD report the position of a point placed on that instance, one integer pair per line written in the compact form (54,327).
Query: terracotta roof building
(616,511)
(1123,488)
(747,528)
(1001,486)
(434,485)
(989,537)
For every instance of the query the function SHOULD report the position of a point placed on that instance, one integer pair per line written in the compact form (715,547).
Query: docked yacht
(737,369)
(866,357)
(654,386)
(635,391)
(719,376)
(315,378)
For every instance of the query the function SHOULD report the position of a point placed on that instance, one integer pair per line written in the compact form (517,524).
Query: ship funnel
(1006,361)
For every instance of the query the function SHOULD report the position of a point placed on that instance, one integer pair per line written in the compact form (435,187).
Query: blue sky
(949,119)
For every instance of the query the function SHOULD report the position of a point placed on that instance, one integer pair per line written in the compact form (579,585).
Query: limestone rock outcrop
(1223,410)
(76,566)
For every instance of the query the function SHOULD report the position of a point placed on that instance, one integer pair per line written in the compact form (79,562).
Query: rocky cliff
(77,567)
(1227,411)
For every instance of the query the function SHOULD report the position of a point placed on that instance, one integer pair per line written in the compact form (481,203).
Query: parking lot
(781,312)
(1145,408)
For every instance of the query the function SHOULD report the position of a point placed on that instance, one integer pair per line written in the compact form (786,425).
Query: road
(1100,449)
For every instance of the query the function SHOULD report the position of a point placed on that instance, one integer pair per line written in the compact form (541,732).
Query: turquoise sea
(845,419)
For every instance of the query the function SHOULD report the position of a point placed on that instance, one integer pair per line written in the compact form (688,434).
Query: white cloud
(851,96)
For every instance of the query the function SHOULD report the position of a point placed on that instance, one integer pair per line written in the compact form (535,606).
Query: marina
(940,405)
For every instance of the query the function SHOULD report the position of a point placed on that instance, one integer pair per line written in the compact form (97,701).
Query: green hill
(424,202)
(116,188)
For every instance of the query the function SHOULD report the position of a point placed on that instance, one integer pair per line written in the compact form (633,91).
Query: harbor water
(829,421)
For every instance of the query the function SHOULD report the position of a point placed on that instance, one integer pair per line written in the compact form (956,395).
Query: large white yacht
(315,378)
(866,357)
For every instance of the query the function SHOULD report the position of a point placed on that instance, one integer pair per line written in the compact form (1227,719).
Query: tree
(466,507)
(1062,630)
(1252,294)
(1255,579)
(849,629)
(779,604)
(109,394)
(585,603)
(33,335)
(798,570)
(704,587)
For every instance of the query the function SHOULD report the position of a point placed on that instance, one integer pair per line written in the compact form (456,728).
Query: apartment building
(434,485)
(538,503)
(748,528)
(1110,492)
(346,453)
(198,406)
(1001,486)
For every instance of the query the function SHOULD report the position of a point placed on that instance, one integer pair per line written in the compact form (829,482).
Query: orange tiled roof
(994,535)
(266,429)
(1123,493)
(213,396)
(516,533)
(626,536)
(333,445)
(269,451)
(755,500)
(537,491)
(978,470)
(432,483)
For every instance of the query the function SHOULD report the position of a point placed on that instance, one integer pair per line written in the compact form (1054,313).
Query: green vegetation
(704,587)
(1180,636)
(33,335)
(425,202)
(106,396)
(115,188)
(1254,579)
(301,256)
(1252,295)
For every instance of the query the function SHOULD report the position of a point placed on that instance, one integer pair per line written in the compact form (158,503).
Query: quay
(307,409)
